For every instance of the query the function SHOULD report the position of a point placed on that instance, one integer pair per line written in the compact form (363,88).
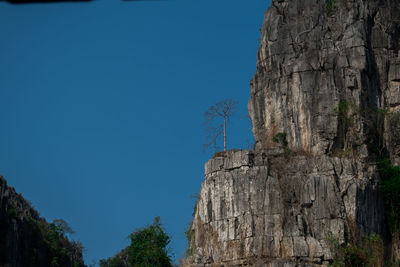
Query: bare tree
(223,110)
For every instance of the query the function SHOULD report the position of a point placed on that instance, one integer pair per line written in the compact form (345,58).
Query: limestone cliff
(26,239)
(265,207)
(316,56)
(327,81)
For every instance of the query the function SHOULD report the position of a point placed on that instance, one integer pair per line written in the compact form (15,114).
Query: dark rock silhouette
(26,239)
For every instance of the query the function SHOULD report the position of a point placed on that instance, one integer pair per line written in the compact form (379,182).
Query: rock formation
(316,56)
(265,207)
(26,239)
(325,104)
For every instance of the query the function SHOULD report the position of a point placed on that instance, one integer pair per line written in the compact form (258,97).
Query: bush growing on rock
(365,252)
(280,138)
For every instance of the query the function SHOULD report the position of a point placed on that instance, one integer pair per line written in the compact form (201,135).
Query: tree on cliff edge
(223,110)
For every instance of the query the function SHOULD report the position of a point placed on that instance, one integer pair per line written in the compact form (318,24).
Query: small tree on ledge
(223,110)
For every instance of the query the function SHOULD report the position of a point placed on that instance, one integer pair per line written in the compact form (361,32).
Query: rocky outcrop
(271,208)
(328,76)
(325,104)
(26,239)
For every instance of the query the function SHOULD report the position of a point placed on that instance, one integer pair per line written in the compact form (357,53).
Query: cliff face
(26,239)
(266,207)
(328,85)
(328,75)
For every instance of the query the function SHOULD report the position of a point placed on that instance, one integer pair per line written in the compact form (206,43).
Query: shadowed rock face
(24,241)
(315,57)
(328,77)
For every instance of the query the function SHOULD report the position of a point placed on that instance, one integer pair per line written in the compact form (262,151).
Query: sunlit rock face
(317,56)
(327,83)
(267,208)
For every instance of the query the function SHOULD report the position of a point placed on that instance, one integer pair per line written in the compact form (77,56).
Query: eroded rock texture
(328,80)
(328,75)
(272,209)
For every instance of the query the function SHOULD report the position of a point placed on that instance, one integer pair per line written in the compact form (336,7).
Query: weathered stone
(312,59)
(284,208)
(328,78)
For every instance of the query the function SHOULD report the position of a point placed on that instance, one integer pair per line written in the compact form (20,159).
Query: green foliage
(330,7)
(382,111)
(280,138)
(112,262)
(54,262)
(390,189)
(346,111)
(11,212)
(367,252)
(50,237)
(348,114)
(190,237)
(149,247)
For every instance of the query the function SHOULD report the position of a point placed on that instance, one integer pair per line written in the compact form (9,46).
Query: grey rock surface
(328,78)
(261,209)
(315,57)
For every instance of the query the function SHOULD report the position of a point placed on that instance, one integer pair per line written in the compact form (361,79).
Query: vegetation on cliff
(60,250)
(362,250)
(367,251)
(26,239)
(390,188)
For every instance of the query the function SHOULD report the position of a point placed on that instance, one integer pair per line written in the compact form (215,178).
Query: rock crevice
(279,208)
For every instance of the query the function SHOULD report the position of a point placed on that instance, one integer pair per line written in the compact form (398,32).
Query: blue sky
(102,103)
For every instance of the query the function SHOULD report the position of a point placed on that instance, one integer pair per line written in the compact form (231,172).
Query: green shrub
(280,138)
(390,189)
(59,249)
(54,262)
(11,212)
(366,252)
(382,111)
(330,7)
(112,262)
(149,247)
(346,111)
(190,237)
(348,114)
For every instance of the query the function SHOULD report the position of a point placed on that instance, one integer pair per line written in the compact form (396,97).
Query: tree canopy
(149,246)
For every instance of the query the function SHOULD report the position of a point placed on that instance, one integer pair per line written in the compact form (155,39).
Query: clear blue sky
(101,108)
